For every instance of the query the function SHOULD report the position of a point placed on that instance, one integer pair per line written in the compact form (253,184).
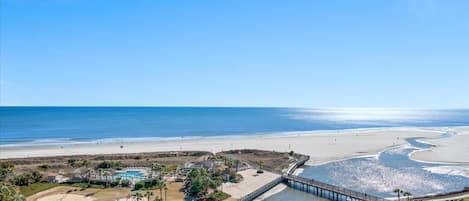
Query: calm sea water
(43,124)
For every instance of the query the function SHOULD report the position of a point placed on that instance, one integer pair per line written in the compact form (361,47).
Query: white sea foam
(450,170)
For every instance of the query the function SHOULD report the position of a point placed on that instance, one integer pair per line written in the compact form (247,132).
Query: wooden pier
(316,188)
(327,191)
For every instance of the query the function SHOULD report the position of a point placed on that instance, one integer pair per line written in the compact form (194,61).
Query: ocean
(379,175)
(38,125)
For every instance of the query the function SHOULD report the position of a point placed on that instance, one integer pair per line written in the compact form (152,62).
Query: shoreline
(451,153)
(322,146)
(71,141)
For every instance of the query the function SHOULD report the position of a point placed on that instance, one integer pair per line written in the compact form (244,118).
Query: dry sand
(322,146)
(454,149)
(65,197)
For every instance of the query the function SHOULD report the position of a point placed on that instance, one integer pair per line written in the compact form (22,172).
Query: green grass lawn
(219,195)
(35,188)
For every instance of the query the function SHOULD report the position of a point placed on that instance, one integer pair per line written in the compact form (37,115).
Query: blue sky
(235,53)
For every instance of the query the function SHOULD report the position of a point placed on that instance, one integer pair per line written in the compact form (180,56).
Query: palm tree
(158,168)
(106,175)
(138,196)
(88,173)
(148,194)
(100,173)
(161,186)
(407,194)
(165,192)
(237,164)
(398,191)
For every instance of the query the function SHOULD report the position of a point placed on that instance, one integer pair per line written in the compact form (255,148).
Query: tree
(139,185)
(125,183)
(138,196)
(6,169)
(196,186)
(194,173)
(407,194)
(106,175)
(36,177)
(88,173)
(85,163)
(71,162)
(158,168)
(105,165)
(8,194)
(237,164)
(198,182)
(27,178)
(399,192)
(165,193)
(148,194)
(161,186)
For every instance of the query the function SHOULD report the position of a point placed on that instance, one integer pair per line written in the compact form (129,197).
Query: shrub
(81,185)
(71,162)
(139,185)
(114,183)
(219,195)
(97,186)
(125,183)
(9,194)
(43,167)
(6,168)
(109,164)
(27,178)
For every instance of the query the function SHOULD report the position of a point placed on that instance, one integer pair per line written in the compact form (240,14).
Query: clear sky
(364,53)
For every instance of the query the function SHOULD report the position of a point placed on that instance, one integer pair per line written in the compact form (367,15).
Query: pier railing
(289,178)
(328,187)
(297,164)
(261,190)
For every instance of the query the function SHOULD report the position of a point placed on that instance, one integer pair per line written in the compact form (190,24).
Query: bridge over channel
(317,188)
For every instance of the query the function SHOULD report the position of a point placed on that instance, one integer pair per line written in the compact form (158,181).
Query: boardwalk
(327,191)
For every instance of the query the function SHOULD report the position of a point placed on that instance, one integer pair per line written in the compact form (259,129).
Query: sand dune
(322,146)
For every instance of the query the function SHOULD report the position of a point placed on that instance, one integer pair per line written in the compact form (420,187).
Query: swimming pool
(131,175)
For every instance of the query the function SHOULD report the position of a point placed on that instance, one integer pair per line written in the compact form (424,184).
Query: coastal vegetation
(9,194)
(219,195)
(266,160)
(401,192)
(94,175)
(199,181)
(36,188)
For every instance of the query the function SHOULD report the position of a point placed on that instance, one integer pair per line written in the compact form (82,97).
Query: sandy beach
(322,146)
(454,149)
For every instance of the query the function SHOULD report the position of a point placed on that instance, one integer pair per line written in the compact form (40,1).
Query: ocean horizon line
(233,106)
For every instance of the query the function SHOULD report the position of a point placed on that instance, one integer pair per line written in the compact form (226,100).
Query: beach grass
(219,195)
(36,188)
